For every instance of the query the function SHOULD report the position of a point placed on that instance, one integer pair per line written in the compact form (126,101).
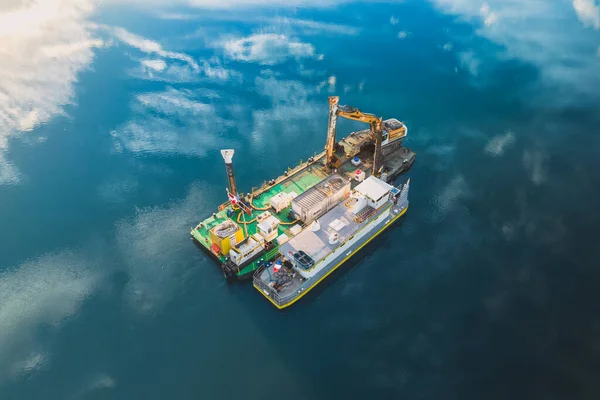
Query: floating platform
(295,181)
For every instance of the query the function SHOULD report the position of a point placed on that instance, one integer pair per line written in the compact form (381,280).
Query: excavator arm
(355,114)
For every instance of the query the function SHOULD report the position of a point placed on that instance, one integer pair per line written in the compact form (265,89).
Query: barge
(330,240)
(249,230)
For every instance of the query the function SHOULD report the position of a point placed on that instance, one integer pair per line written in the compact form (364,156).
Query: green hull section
(298,183)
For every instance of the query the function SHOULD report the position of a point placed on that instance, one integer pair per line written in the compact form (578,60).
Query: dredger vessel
(294,230)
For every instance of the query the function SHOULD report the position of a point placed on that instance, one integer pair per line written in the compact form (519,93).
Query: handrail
(262,286)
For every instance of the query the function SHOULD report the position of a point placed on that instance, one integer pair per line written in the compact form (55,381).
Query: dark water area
(112,117)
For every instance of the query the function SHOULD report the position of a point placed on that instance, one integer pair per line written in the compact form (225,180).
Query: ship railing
(274,295)
(266,288)
(282,300)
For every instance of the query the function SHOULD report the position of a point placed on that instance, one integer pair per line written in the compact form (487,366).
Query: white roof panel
(373,188)
(295,229)
(281,239)
(337,225)
(269,222)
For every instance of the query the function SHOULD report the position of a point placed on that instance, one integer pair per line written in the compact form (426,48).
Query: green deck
(298,183)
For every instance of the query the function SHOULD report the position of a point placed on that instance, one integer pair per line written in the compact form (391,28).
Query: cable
(288,223)
(258,208)
(241,222)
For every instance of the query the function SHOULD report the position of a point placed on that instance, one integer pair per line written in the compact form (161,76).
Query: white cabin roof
(269,222)
(373,188)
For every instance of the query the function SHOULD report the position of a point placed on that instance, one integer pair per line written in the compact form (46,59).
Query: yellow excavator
(383,133)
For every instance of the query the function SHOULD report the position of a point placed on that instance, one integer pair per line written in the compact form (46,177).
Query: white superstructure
(344,225)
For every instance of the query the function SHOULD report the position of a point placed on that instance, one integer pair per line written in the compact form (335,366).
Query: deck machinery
(248,229)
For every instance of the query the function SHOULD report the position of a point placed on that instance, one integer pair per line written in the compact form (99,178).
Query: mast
(330,144)
(377,155)
(228,157)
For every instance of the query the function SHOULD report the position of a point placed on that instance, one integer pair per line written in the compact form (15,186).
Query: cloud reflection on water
(174,121)
(267,48)
(43,292)
(50,42)
(553,35)
(179,120)
(44,44)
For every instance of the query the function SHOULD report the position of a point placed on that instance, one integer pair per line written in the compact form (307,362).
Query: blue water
(112,116)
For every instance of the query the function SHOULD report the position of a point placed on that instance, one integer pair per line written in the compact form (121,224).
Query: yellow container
(225,235)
